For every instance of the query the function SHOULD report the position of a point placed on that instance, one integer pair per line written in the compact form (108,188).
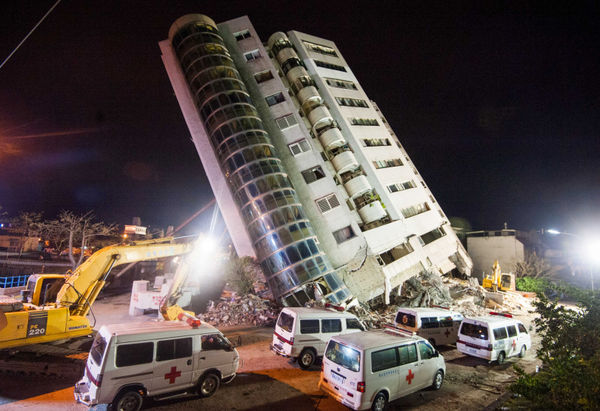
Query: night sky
(497,105)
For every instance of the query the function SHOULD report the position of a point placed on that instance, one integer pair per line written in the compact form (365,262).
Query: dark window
(241,35)
(343,355)
(405,319)
(512,331)
(426,350)
(309,326)
(214,342)
(263,76)
(275,99)
(384,359)
(98,349)
(353,324)
(133,354)
(252,55)
(313,174)
(344,234)
(171,349)
(331,326)
(329,65)
(433,234)
(522,329)
(500,333)
(430,322)
(286,322)
(446,322)
(474,331)
(408,354)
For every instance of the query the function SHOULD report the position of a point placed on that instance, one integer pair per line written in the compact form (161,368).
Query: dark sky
(498,105)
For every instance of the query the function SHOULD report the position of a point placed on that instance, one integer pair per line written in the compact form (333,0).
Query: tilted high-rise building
(308,174)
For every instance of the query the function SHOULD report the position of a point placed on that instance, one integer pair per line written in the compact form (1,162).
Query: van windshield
(285,322)
(474,331)
(98,348)
(343,355)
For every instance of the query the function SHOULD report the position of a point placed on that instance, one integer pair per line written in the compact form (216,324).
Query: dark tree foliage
(569,378)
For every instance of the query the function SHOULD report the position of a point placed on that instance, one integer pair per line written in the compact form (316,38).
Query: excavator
(46,315)
(499,281)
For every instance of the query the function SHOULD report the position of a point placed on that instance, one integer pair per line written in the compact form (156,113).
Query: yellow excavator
(46,315)
(499,281)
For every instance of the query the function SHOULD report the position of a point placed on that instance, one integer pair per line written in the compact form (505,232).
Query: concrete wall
(485,250)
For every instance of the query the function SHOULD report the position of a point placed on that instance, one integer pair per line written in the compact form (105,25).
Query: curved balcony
(309,94)
(332,138)
(294,75)
(345,161)
(357,186)
(319,116)
(276,37)
(372,212)
(286,54)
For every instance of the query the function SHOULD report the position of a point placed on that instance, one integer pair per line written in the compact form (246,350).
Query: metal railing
(14,281)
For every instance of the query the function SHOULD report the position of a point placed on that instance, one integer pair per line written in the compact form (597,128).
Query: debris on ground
(236,310)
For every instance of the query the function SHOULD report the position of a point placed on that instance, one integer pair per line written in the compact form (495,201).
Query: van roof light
(190,319)
(501,314)
(439,306)
(335,307)
(398,330)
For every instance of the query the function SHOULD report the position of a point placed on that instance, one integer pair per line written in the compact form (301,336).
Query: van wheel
(522,352)
(128,401)
(208,385)
(501,357)
(380,402)
(438,380)
(306,359)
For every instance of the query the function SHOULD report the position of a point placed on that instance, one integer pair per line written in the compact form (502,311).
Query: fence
(14,281)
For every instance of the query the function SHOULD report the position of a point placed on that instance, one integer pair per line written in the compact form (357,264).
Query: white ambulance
(302,333)
(438,325)
(131,361)
(493,338)
(367,370)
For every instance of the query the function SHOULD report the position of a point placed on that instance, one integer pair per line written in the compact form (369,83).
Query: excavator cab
(42,288)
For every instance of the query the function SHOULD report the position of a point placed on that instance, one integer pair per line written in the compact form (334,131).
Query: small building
(13,242)
(485,247)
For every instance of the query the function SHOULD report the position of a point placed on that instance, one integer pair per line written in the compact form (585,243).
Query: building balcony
(296,75)
(357,186)
(372,212)
(332,138)
(309,97)
(344,161)
(286,54)
(320,116)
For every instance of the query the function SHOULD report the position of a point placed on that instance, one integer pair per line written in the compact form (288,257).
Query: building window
(263,76)
(275,99)
(401,186)
(334,82)
(252,55)
(432,235)
(394,162)
(299,147)
(329,66)
(394,254)
(327,203)
(344,234)
(313,174)
(286,121)
(319,48)
(241,35)
(415,210)
(363,121)
(376,142)
(351,102)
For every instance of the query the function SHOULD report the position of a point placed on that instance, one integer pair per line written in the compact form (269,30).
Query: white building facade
(368,218)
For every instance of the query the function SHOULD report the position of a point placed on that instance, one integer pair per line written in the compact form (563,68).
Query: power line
(29,34)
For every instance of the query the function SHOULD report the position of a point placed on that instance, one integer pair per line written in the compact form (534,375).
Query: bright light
(591,250)
(205,256)
(553,231)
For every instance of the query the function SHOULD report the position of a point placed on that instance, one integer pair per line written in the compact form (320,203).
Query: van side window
(353,324)
(133,354)
(408,354)
(512,330)
(309,326)
(405,319)
(445,321)
(474,331)
(429,322)
(426,350)
(171,349)
(213,342)
(331,326)
(384,359)
(500,333)
(522,329)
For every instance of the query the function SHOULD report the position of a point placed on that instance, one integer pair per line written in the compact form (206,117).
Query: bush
(533,285)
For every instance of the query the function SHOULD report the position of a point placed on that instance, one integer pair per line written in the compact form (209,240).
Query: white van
(437,325)
(130,361)
(493,338)
(368,369)
(302,333)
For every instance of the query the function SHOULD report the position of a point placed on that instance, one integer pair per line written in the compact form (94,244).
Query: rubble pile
(237,310)
(424,290)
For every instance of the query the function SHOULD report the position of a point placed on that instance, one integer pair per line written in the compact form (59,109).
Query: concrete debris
(236,310)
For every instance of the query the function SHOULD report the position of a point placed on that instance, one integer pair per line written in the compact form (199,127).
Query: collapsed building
(308,174)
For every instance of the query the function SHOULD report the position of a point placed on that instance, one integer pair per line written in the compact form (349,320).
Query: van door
(329,328)
(410,371)
(216,352)
(427,365)
(514,347)
(173,365)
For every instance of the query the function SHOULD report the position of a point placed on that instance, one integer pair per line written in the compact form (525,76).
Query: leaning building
(309,176)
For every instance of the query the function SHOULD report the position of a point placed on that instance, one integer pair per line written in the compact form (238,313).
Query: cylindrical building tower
(282,236)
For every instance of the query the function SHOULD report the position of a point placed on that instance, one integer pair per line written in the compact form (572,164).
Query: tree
(535,267)
(570,354)
(242,273)
(71,230)
(27,224)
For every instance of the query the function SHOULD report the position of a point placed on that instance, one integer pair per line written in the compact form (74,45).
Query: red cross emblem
(410,376)
(514,344)
(172,375)
(447,332)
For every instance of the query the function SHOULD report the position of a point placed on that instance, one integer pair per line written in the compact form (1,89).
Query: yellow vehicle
(56,306)
(499,281)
